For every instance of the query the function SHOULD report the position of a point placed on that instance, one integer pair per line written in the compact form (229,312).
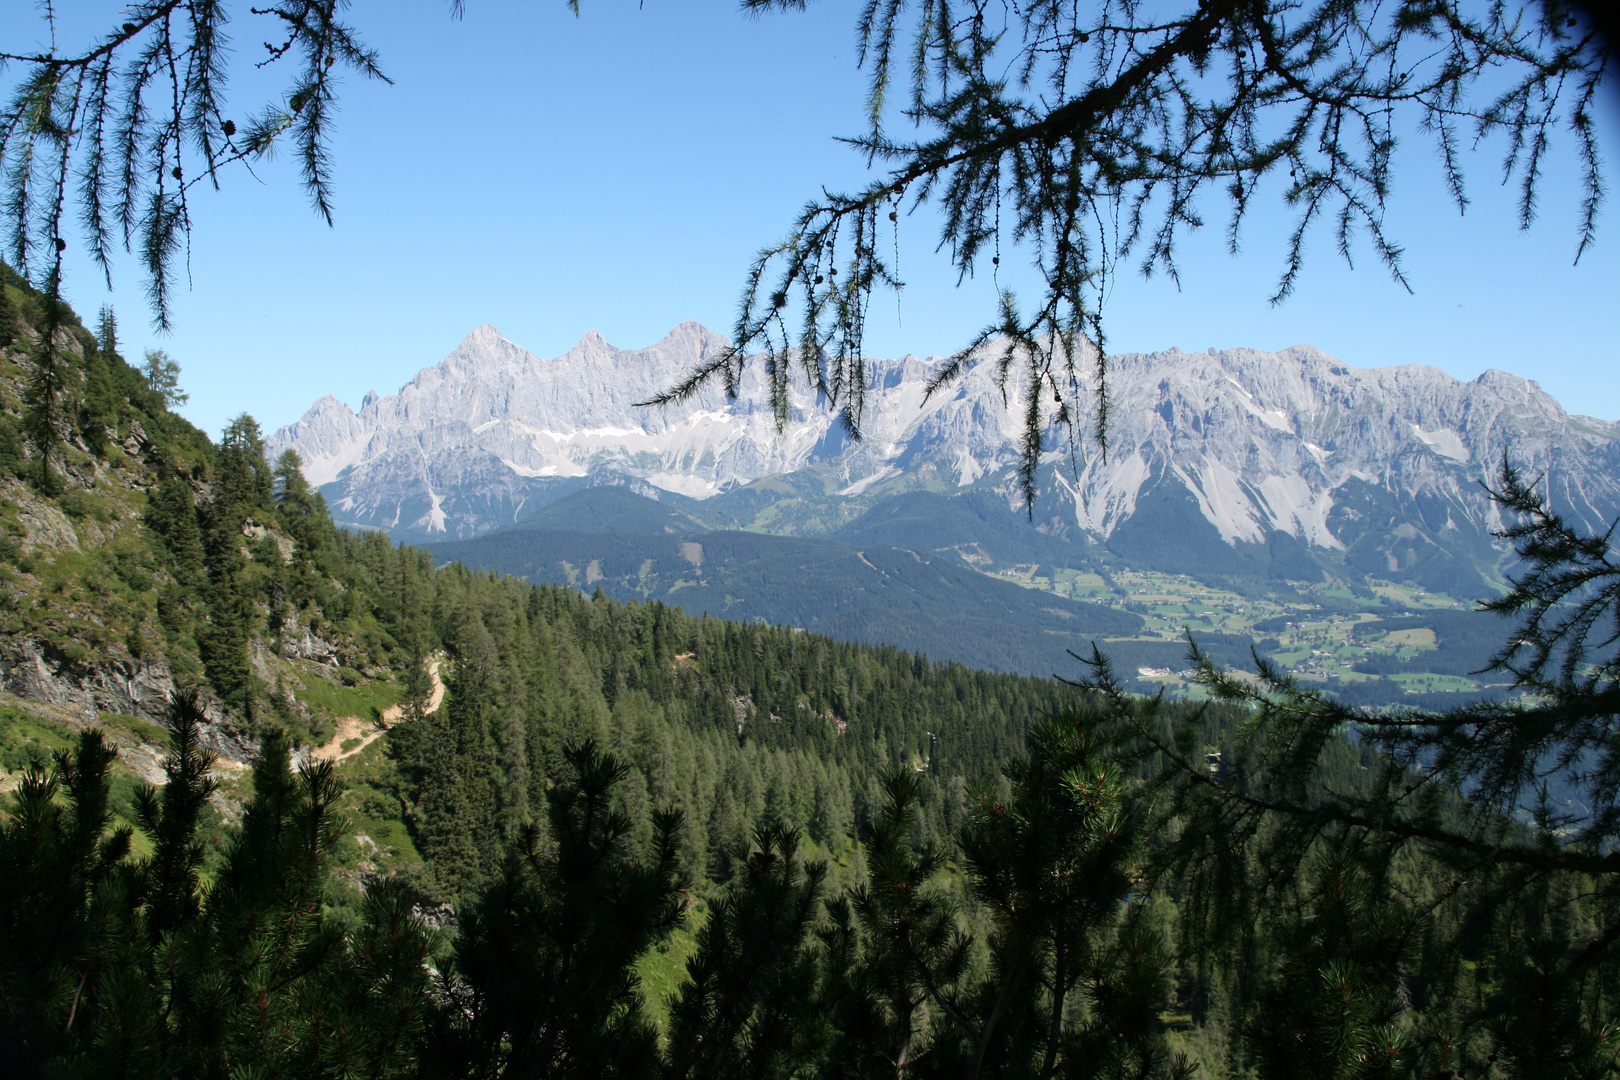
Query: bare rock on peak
(1262,442)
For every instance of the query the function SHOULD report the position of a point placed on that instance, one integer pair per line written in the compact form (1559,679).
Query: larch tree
(163,377)
(1510,807)
(1091,135)
(1088,135)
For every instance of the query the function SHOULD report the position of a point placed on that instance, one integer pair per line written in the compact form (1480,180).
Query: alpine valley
(1337,517)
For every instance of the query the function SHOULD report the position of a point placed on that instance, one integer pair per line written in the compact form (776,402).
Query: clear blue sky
(551,175)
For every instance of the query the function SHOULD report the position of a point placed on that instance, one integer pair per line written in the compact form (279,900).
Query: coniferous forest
(628,841)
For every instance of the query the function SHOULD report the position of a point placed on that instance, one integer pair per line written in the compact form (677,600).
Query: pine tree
(58,854)
(170,819)
(1073,978)
(751,1006)
(894,945)
(114,965)
(548,947)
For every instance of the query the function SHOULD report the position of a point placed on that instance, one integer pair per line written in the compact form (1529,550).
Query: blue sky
(551,175)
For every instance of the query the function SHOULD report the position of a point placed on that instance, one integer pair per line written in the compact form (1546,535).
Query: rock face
(1292,443)
(36,673)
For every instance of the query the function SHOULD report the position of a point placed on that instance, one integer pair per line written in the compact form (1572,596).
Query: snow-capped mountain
(1290,442)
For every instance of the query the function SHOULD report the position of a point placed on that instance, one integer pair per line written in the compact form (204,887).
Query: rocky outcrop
(307,645)
(47,528)
(32,671)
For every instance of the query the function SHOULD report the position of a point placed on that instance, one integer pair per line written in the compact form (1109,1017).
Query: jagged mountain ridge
(1290,442)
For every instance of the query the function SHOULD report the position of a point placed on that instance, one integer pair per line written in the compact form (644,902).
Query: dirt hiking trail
(367,730)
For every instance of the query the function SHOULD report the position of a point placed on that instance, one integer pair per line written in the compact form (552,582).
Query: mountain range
(1231,464)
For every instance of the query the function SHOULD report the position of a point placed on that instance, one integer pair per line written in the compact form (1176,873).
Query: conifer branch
(1167,113)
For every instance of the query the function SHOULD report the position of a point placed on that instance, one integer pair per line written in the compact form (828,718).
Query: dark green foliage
(1464,642)
(1052,867)
(171,818)
(611,510)
(10,323)
(887,866)
(244,485)
(171,513)
(543,983)
(788,977)
(893,943)
(223,643)
(50,376)
(751,1006)
(451,763)
(101,405)
(1368,519)
(300,508)
(928,521)
(735,725)
(1428,904)
(107,331)
(1332,1006)
(11,446)
(1169,533)
(929,603)
(61,862)
(113,965)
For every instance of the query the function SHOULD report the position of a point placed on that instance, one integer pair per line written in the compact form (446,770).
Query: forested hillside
(632,841)
(921,601)
(148,561)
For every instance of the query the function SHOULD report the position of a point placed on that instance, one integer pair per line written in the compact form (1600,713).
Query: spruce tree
(232,616)
(50,376)
(171,512)
(245,485)
(107,331)
(458,807)
(100,408)
(299,507)
(11,327)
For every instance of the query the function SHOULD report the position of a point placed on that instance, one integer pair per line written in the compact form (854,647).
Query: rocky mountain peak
(1262,441)
(482,338)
